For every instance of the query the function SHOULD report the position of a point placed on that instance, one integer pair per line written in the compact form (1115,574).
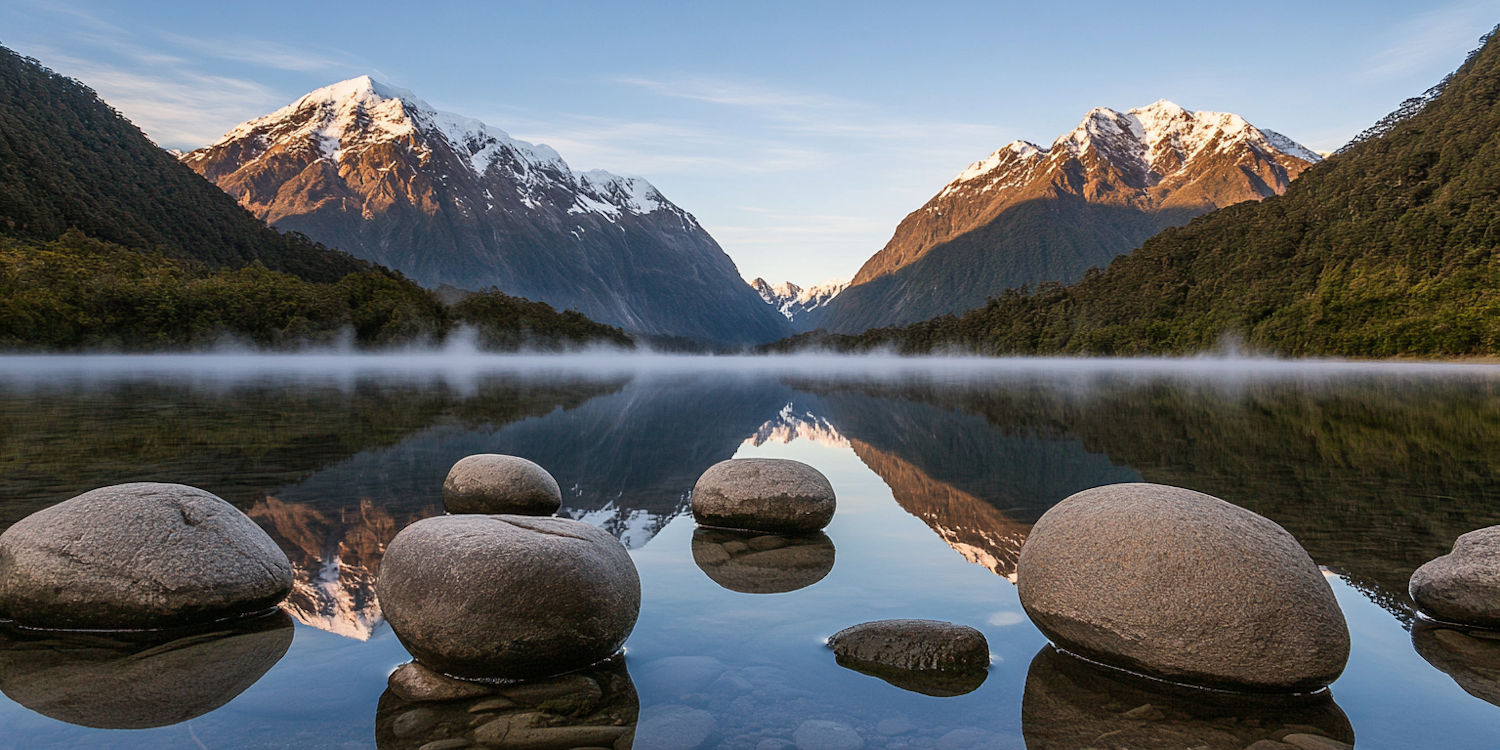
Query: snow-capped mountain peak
(792,300)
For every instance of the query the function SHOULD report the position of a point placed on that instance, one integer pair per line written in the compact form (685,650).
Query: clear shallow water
(940,468)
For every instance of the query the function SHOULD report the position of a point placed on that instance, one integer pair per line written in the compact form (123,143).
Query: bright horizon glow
(799,135)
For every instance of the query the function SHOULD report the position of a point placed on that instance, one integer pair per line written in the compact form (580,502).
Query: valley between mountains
(371,217)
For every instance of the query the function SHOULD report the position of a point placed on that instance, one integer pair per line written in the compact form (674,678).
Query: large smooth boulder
(508,596)
(1463,586)
(138,556)
(754,562)
(1471,657)
(1070,704)
(596,707)
(1184,586)
(492,483)
(135,680)
(764,494)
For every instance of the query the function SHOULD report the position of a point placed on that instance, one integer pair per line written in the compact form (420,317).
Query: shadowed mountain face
(445,199)
(1026,215)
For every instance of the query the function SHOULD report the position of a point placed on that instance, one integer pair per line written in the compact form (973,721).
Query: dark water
(940,469)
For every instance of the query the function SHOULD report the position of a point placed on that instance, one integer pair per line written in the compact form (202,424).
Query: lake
(940,466)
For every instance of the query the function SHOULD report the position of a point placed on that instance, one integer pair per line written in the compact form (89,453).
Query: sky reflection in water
(940,466)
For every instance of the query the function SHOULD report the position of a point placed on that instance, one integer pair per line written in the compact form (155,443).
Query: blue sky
(799,133)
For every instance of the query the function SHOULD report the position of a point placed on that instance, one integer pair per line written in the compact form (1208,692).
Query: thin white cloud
(262,53)
(1432,38)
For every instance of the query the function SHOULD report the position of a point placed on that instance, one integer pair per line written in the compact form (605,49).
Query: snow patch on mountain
(359,113)
(1153,141)
(792,300)
(790,425)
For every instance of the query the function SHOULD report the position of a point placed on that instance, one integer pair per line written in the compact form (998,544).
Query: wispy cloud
(1434,37)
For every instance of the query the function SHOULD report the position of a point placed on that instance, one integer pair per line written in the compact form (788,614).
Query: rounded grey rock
(674,727)
(913,644)
(508,596)
(764,494)
(818,734)
(1463,586)
(138,556)
(131,681)
(1184,586)
(493,483)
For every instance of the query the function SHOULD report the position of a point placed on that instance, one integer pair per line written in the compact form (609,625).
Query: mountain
(70,161)
(797,303)
(445,199)
(1388,248)
(1028,214)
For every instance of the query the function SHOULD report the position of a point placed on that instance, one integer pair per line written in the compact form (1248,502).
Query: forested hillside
(1388,248)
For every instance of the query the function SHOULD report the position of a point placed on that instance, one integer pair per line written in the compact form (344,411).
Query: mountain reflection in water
(941,474)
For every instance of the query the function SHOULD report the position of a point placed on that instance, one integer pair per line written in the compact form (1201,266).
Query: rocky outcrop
(1463,586)
(1175,584)
(374,171)
(138,556)
(493,483)
(1028,214)
(513,597)
(764,494)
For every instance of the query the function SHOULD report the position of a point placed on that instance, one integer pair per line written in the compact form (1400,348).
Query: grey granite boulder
(754,562)
(763,494)
(135,680)
(1069,703)
(1177,584)
(924,656)
(1463,586)
(494,483)
(138,556)
(508,596)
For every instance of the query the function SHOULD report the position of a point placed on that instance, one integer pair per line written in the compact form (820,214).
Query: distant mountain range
(1029,214)
(797,303)
(1388,248)
(445,199)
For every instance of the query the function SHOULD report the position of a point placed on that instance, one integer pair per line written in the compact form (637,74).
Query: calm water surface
(941,468)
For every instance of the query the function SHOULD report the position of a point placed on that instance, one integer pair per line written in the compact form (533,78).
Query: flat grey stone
(1184,586)
(826,735)
(679,675)
(492,483)
(139,556)
(913,644)
(1463,586)
(136,681)
(755,562)
(508,596)
(674,727)
(763,494)
(418,684)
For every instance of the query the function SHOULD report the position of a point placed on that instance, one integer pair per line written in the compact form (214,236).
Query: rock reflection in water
(139,680)
(938,683)
(753,562)
(1072,704)
(1470,656)
(595,707)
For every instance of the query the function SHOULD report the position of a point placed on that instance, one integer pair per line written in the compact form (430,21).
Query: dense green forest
(77,293)
(1386,249)
(107,243)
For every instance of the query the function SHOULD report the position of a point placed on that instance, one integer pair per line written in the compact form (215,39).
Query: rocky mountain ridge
(1028,214)
(795,302)
(445,199)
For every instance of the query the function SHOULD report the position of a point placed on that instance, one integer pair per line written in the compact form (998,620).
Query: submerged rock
(924,656)
(675,727)
(508,596)
(1470,657)
(136,680)
(764,494)
(753,562)
(492,483)
(1069,703)
(1175,583)
(1463,586)
(138,556)
(596,707)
